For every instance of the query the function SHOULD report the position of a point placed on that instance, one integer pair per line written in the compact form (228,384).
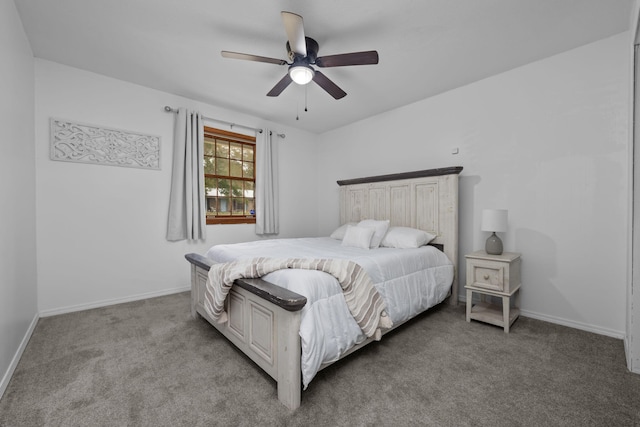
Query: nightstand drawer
(488,276)
(492,274)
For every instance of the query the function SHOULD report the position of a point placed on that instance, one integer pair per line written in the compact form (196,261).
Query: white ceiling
(426,47)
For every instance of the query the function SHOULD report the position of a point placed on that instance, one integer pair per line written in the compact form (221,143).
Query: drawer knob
(486,277)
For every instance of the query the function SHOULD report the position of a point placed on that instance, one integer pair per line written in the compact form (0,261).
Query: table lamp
(494,220)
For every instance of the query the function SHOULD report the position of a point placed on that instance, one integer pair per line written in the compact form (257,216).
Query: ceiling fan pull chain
(305,98)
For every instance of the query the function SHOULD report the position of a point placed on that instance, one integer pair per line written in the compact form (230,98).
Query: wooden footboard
(263,322)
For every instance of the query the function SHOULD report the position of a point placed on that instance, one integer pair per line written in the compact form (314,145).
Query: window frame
(232,137)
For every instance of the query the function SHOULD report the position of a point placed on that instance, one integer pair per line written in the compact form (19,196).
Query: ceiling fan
(303,53)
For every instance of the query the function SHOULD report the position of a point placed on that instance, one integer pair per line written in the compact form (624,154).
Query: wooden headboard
(426,200)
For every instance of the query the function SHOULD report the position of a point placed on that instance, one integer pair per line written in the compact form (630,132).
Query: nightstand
(494,276)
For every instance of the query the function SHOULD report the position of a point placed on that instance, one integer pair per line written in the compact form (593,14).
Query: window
(229,177)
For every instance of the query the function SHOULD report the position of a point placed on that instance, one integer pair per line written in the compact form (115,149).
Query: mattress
(409,280)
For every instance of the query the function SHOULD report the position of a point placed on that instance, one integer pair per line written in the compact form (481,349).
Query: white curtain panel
(267,185)
(187,217)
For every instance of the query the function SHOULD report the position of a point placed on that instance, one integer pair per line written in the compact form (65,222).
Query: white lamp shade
(494,220)
(301,74)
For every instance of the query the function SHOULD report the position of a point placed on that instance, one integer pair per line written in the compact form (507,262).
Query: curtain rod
(173,110)
(231,124)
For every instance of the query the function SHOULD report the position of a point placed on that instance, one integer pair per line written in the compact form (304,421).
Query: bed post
(194,291)
(449,225)
(199,271)
(289,353)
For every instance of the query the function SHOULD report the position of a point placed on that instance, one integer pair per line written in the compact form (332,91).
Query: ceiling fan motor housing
(312,52)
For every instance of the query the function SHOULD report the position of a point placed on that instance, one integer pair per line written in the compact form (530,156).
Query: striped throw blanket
(363,300)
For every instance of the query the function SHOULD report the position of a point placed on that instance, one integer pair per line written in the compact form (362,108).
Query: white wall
(18,293)
(547,141)
(102,228)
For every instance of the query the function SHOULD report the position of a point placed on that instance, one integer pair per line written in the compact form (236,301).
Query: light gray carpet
(148,363)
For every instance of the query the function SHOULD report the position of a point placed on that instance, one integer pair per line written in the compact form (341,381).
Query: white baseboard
(16,358)
(573,324)
(566,322)
(104,303)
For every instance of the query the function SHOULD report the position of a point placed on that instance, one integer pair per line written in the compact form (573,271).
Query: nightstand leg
(469,304)
(505,313)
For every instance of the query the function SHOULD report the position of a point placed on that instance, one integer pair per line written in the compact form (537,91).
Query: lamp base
(493,245)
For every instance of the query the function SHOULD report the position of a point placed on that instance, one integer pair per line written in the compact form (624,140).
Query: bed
(274,324)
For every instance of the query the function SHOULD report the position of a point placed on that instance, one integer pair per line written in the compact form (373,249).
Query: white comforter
(409,280)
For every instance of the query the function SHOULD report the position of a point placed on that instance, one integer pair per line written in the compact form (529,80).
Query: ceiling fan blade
(326,84)
(369,57)
(295,32)
(256,58)
(280,86)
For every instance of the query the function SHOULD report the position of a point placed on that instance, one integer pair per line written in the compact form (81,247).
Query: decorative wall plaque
(76,142)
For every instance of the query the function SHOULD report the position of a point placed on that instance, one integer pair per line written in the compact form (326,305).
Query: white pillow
(406,237)
(380,228)
(358,237)
(338,233)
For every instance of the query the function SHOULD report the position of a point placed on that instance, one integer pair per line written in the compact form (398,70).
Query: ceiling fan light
(301,74)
